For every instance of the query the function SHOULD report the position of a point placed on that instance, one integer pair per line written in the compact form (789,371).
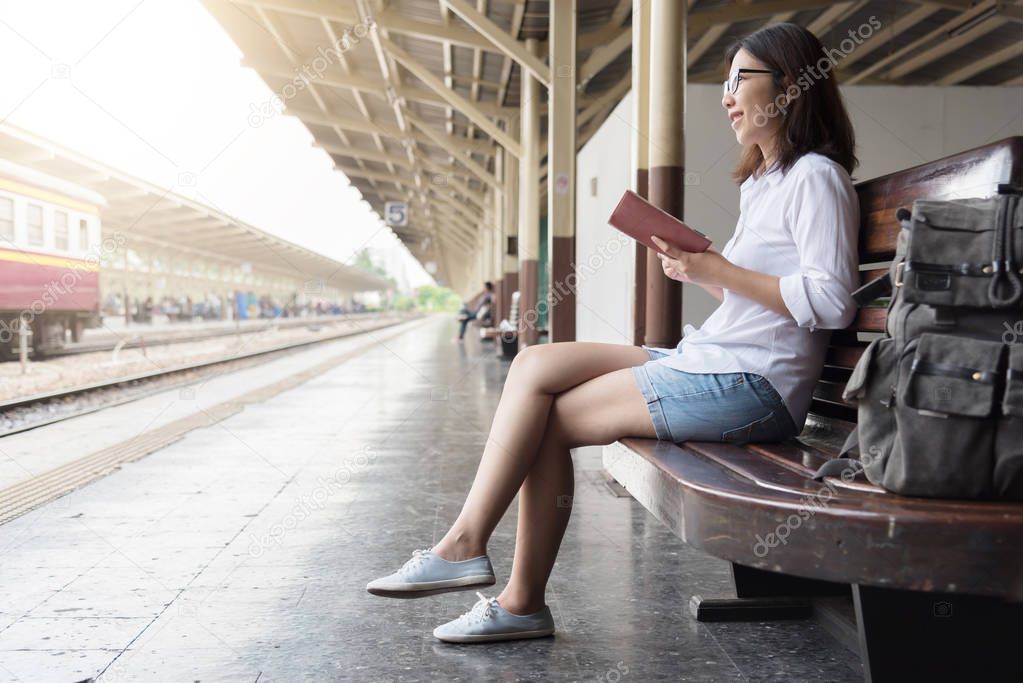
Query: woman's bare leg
(545,499)
(545,505)
(536,376)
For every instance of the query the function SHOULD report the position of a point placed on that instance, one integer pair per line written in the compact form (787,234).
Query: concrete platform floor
(241,553)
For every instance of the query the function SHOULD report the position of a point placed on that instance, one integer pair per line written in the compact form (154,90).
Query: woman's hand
(706,268)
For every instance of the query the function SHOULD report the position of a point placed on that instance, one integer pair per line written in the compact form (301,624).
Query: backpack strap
(837,466)
(1002,260)
(882,286)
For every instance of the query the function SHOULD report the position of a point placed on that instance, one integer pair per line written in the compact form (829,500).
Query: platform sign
(396,214)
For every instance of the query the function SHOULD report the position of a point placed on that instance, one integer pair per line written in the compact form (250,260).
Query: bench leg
(763,596)
(911,635)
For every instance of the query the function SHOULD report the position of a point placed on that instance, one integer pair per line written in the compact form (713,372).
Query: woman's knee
(535,363)
(525,364)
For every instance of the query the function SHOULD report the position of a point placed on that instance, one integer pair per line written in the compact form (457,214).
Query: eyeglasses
(732,83)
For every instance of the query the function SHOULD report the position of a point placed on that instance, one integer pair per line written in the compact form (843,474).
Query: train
(50,253)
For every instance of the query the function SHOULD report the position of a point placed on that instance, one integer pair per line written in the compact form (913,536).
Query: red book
(639,219)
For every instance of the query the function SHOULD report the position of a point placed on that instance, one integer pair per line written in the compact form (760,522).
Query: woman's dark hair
(815,119)
(489,285)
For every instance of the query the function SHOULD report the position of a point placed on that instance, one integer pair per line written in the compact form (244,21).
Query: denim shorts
(736,407)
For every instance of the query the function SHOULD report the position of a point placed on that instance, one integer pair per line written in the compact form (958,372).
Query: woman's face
(751,106)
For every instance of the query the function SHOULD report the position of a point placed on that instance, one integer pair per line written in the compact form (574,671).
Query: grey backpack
(939,395)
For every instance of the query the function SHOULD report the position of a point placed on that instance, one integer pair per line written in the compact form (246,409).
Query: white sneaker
(428,574)
(488,621)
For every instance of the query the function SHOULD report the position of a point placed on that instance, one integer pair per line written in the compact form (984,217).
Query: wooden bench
(509,342)
(923,589)
(513,317)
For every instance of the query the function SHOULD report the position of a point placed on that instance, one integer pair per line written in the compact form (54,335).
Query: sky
(155,89)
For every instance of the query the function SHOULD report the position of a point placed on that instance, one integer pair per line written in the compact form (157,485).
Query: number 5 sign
(396,214)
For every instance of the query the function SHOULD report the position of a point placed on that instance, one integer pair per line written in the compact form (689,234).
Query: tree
(433,298)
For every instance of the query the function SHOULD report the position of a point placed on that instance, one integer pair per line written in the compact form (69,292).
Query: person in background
(483,312)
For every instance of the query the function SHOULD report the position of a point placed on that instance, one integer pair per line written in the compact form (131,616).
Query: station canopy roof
(414,110)
(140,209)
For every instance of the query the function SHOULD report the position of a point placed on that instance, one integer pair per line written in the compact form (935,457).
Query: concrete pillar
(497,234)
(561,139)
(666,158)
(640,151)
(510,261)
(529,203)
(486,233)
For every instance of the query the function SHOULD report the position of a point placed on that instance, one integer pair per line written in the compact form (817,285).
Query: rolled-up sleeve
(823,216)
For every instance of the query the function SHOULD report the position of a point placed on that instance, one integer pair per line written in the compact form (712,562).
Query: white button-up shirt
(802,227)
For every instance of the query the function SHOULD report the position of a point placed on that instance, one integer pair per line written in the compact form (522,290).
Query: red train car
(50,256)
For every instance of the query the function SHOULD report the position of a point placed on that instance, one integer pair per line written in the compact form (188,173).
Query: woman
(747,374)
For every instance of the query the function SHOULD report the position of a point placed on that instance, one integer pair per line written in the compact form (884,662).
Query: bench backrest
(973,173)
(513,314)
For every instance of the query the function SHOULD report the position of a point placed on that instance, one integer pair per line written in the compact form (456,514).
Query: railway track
(30,412)
(26,495)
(136,337)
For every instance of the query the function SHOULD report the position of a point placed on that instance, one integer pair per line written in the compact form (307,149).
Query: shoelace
(482,610)
(418,558)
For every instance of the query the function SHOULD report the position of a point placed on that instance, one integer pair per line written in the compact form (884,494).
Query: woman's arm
(760,287)
(712,271)
(715,292)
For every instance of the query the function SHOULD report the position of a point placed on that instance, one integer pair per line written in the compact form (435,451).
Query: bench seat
(735,502)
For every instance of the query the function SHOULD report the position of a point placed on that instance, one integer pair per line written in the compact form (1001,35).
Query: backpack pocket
(1008,465)
(951,251)
(945,413)
(872,386)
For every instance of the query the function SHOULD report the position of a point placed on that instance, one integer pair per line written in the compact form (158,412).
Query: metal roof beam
(501,40)
(313,9)
(471,217)
(994,59)
(376,175)
(833,16)
(356,125)
(474,196)
(945,46)
(889,33)
(701,20)
(463,105)
(603,55)
(451,146)
(364,154)
(913,47)
(374,87)
(607,98)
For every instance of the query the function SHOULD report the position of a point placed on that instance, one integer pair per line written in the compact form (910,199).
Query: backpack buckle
(898,273)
